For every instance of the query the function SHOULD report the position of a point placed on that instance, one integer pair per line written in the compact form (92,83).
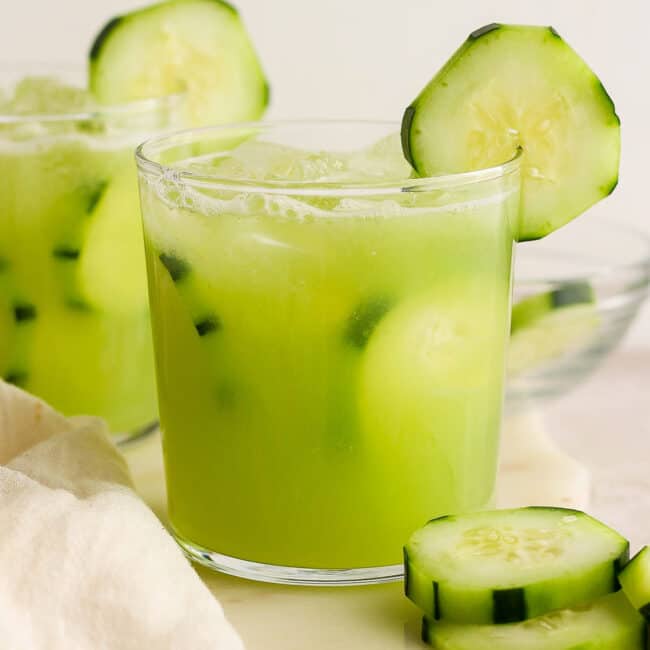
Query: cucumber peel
(511,87)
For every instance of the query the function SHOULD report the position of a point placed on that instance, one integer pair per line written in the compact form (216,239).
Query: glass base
(124,439)
(290,575)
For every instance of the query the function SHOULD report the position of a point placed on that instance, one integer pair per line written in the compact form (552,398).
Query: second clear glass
(74,322)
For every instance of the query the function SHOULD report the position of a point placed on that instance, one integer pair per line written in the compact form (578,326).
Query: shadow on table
(271,616)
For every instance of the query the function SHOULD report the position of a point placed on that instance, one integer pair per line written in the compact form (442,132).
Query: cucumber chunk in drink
(72,257)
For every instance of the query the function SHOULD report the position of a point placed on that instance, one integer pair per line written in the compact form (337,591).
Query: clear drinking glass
(330,352)
(74,323)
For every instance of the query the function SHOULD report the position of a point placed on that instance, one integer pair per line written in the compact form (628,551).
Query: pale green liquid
(86,348)
(351,386)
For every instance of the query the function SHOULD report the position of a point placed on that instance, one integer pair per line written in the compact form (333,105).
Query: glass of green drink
(329,336)
(74,324)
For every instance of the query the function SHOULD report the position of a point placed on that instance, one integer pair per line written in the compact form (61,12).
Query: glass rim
(98,111)
(146,164)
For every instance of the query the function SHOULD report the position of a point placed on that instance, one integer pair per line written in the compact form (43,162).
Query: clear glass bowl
(611,261)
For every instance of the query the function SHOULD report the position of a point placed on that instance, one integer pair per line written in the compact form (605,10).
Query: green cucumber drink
(330,337)
(74,319)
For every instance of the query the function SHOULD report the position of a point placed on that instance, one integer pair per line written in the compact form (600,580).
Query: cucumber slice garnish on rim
(608,623)
(507,566)
(196,47)
(511,86)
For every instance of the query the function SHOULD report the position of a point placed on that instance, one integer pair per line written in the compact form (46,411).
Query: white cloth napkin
(84,564)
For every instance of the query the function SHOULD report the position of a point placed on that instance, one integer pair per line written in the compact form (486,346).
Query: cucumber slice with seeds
(635,581)
(511,86)
(609,623)
(510,565)
(196,47)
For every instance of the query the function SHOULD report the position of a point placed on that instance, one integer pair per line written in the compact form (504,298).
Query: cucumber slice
(343,415)
(608,623)
(17,319)
(635,580)
(25,316)
(549,325)
(73,211)
(206,322)
(111,272)
(511,86)
(506,566)
(364,319)
(7,322)
(99,258)
(530,310)
(70,213)
(196,47)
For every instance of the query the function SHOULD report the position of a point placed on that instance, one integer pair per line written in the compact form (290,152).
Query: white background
(369,58)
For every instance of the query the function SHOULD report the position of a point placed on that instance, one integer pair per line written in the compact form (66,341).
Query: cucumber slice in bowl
(507,566)
(547,326)
(635,581)
(609,623)
(511,86)
(531,310)
(196,47)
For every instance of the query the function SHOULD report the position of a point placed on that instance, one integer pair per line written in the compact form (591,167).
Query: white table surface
(605,424)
